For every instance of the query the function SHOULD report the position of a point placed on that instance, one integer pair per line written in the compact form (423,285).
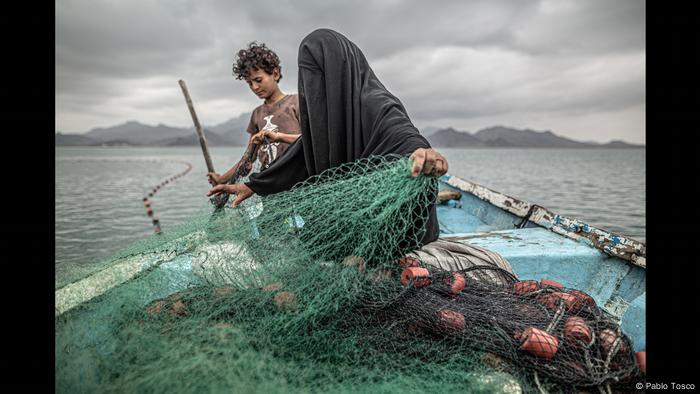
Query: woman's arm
(216,179)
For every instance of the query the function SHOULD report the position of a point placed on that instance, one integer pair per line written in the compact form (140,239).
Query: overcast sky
(576,68)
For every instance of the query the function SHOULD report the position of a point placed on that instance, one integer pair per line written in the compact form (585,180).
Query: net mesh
(315,290)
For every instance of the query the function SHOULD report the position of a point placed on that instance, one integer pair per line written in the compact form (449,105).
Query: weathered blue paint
(613,244)
(633,322)
(468,215)
(550,246)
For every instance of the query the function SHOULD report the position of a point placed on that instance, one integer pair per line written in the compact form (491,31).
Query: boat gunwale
(623,247)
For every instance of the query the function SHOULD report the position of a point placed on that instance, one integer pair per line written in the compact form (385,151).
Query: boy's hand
(259,137)
(271,136)
(240,190)
(429,162)
(214,178)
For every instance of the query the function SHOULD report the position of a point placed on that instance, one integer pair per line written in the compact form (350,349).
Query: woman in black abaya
(346,114)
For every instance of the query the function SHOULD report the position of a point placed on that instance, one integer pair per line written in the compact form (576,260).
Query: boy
(275,123)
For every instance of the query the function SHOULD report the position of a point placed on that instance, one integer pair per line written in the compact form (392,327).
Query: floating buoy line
(146,199)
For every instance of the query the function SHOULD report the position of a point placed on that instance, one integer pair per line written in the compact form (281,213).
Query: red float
(526,286)
(607,338)
(420,276)
(551,283)
(539,343)
(551,301)
(576,332)
(451,321)
(405,262)
(286,300)
(178,309)
(582,300)
(458,283)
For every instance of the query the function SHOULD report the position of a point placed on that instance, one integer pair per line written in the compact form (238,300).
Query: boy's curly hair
(256,56)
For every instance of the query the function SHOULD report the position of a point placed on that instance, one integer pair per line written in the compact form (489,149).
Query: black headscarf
(345,114)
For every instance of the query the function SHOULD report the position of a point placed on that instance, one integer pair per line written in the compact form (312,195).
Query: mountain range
(502,137)
(232,133)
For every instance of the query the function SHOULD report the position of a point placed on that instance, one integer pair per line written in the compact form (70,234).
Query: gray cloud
(452,63)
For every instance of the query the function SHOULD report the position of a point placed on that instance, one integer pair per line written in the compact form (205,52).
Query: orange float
(551,301)
(607,338)
(420,276)
(451,321)
(178,309)
(582,300)
(405,262)
(355,261)
(155,308)
(539,343)
(286,300)
(526,287)
(576,332)
(457,283)
(551,283)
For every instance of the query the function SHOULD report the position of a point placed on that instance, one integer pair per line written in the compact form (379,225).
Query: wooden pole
(197,126)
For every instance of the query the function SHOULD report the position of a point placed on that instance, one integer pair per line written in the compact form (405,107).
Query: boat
(537,242)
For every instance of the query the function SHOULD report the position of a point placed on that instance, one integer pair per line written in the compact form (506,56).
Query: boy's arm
(282,137)
(274,136)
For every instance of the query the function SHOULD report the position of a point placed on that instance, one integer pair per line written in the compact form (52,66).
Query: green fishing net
(310,291)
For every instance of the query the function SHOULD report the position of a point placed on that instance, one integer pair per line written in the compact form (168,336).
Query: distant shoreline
(135,134)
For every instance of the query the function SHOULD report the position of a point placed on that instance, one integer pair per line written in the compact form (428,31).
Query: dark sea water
(99,191)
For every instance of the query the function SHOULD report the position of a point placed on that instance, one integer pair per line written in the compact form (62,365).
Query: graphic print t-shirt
(283,117)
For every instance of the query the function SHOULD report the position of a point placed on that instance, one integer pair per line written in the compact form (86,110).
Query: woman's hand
(240,190)
(214,178)
(428,161)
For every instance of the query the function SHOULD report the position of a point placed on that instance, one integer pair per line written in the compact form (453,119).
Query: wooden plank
(74,294)
(507,203)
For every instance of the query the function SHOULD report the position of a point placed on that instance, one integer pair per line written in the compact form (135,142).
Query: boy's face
(262,83)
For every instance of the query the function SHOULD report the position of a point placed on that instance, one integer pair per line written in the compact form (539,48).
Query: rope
(539,386)
(147,202)
(557,317)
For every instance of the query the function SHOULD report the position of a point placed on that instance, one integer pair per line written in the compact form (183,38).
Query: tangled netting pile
(317,290)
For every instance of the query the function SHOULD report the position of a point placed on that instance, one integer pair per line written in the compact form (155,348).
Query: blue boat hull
(609,267)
